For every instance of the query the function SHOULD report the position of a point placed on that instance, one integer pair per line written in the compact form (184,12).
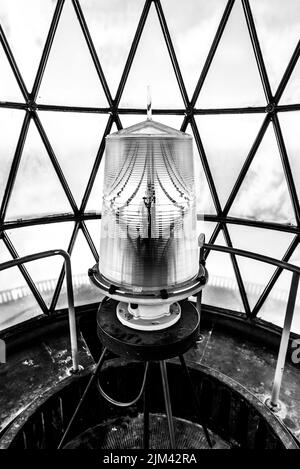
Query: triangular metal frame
(114,113)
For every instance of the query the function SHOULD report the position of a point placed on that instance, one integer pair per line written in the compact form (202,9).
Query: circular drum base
(142,324)
(147,345)
(127,433)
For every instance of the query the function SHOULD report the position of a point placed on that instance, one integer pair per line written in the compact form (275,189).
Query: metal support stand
(91,381)
(164,377)
(116,338)
(146,433)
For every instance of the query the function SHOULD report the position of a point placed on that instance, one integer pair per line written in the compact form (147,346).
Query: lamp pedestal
(146,346)
(148,317)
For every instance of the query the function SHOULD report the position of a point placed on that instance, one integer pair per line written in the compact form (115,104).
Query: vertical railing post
(201,241)
(72,318)
(273,401)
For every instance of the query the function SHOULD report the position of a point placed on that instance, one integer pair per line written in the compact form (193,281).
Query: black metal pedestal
(146,346)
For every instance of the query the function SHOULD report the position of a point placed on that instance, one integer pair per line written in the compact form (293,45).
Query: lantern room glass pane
(32,239)
(112,25)
(277,23)
(75,139)
(222,289)
(26,24)
(17,303)
(37,189)
(227,140)
(70,76)
(192,25)
(256,275)
(274,308)
(10,125)
(233,79)
(152,66)
(9,88)
(264,193)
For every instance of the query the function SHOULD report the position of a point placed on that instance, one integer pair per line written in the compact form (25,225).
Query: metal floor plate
(127,433)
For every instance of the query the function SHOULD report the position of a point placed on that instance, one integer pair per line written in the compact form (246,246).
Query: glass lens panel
(26,24)
(75,139)
(112,24)
(266,242)
(203,195)
(10,125)
(70,76)
(16,300)
(148,235)
(152,66)
(37,190)
(264,194)
(233,78)
(222,289)
(227,140)
(40,238)
(277,25)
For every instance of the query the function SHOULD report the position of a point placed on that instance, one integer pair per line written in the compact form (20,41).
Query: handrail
(272,402)
(70,293)
(253,255)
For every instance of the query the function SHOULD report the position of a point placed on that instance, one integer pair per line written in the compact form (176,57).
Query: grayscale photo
(149,228)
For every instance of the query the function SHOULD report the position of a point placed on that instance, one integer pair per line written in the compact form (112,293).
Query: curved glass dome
(72,72)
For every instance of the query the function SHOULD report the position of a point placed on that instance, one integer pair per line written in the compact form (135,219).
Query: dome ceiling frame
(115,112)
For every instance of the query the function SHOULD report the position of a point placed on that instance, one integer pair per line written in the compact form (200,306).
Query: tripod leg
(164,376)
(92,379)
(188,378)
(146,414)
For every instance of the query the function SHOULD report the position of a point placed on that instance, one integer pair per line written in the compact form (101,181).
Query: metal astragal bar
(62,273)
(257,50)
